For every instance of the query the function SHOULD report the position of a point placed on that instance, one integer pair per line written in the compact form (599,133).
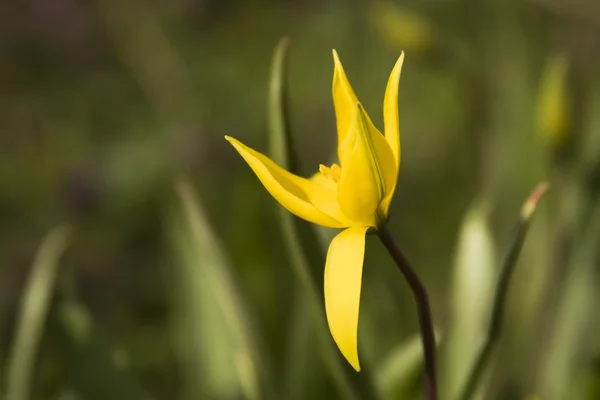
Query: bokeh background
(176,281)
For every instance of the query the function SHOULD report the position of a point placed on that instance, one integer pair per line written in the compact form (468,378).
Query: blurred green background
(176,281)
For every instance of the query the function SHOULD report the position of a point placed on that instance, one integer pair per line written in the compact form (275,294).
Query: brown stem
(423,309)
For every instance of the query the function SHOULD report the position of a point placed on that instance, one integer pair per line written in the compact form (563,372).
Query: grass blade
(399,371)
(471,296)
(33,311)
(506,270)
(214,269)
(573,341)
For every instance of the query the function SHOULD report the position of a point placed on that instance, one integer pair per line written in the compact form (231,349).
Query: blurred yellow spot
(401,27)
(553,108)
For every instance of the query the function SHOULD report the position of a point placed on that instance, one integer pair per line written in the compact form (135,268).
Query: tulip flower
(354,195)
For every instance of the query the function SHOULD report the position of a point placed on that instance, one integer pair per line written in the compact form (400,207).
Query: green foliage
(213,314)
(213,291)
(33,311)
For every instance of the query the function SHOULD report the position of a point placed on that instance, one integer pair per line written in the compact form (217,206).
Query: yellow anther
(332,172)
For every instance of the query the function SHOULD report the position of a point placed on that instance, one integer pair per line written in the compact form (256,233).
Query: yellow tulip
(355,195)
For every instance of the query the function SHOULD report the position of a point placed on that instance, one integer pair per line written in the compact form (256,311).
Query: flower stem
(423,309)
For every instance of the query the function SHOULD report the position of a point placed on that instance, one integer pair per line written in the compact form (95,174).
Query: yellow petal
(343,276)
(303,197)
(344,101)
(368,170)
(391,125)
(390,109)
(321,179)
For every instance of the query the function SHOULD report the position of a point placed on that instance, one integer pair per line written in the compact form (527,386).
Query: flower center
(333,173)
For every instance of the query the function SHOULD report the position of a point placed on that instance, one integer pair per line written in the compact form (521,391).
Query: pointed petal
(390,109)
(343,277)
(344,101)
(391,124)
(305,198)
(368,170)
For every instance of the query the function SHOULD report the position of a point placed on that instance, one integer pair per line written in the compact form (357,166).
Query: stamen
(332,172)
(336,171)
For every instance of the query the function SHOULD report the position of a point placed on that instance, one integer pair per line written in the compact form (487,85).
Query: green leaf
(280,146)
(33,311)
(214,311)
(473,277)
(399,371)
(495,326)
(573,343)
